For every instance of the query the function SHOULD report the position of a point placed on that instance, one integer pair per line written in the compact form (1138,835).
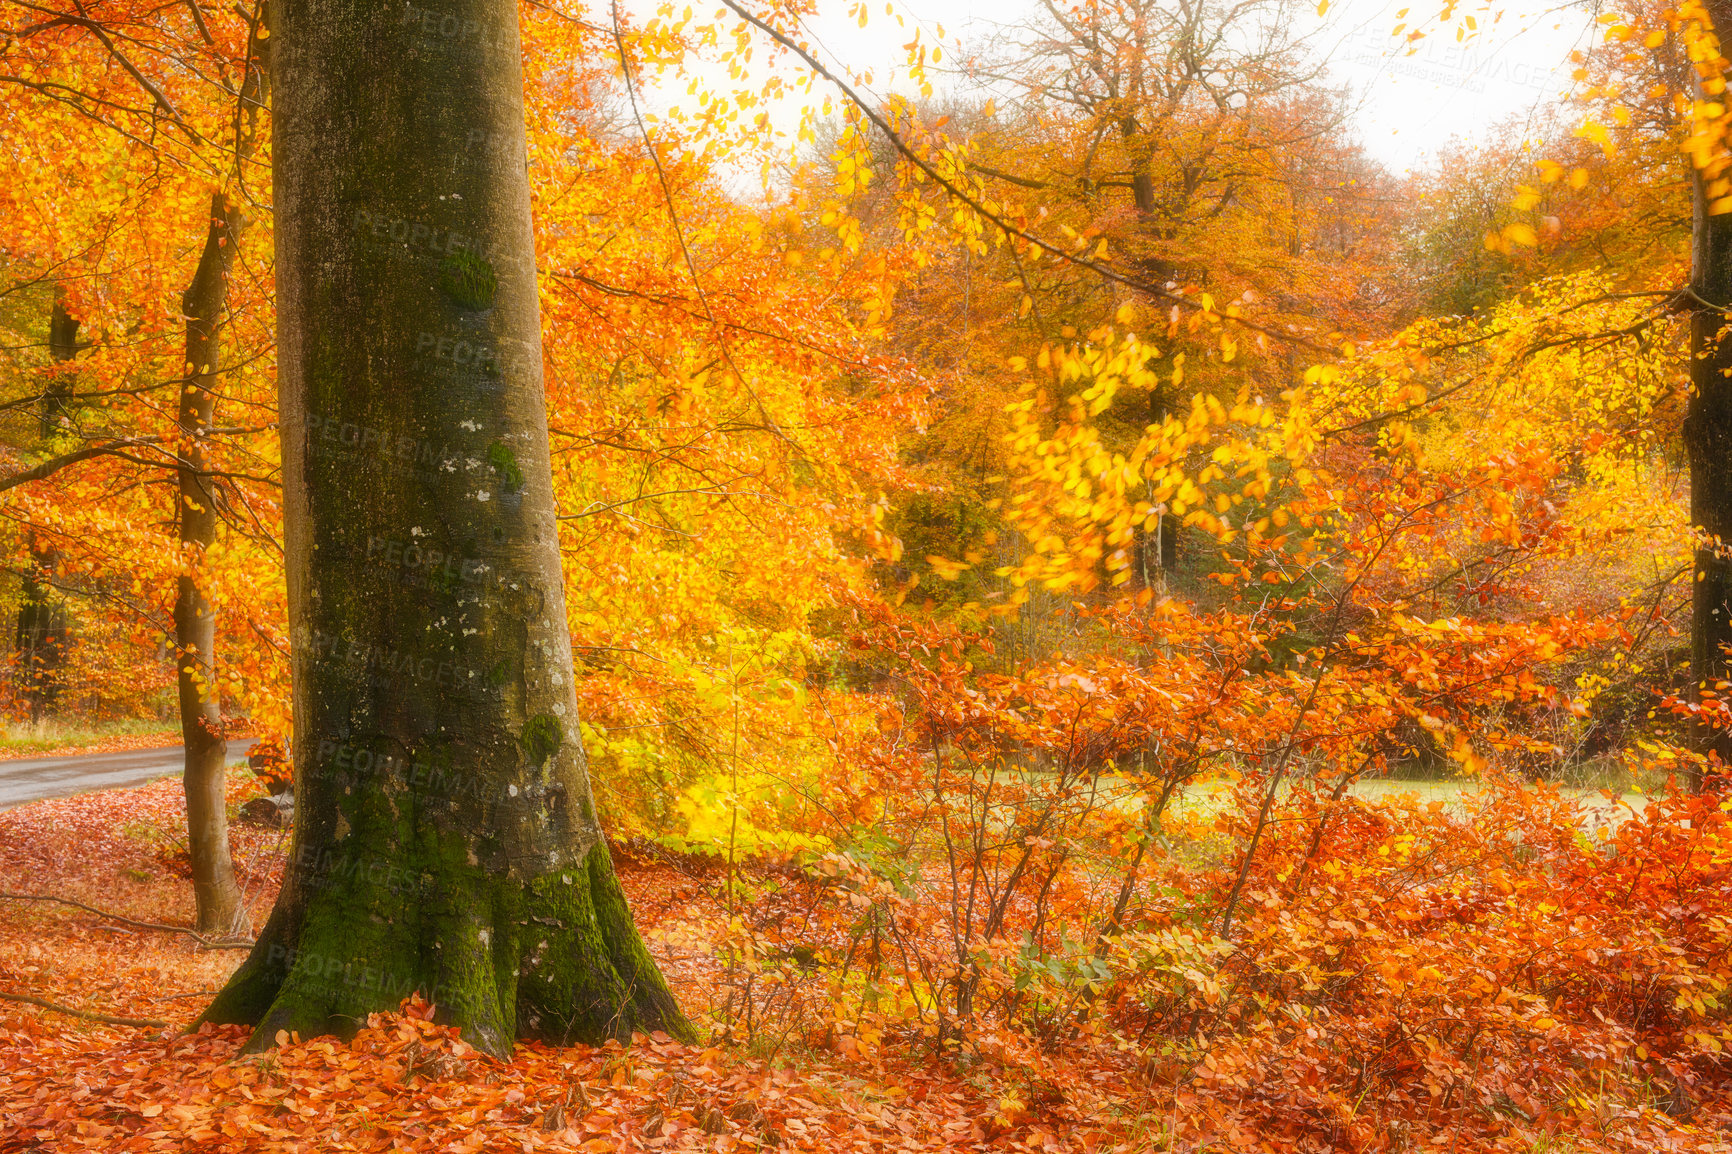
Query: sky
(1406,104)
(1409,105)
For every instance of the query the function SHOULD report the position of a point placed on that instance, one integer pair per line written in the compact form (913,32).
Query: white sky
(1407,104)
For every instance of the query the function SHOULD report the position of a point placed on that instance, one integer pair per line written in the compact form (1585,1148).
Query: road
(34,778)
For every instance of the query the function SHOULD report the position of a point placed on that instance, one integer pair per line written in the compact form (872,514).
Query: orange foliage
(953,789)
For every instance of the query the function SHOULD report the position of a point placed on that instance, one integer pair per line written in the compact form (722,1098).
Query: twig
(679,232)
(1292,744)
(59,1009)
(194,934)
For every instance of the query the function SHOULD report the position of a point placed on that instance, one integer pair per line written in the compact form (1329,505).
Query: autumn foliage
(1104,618)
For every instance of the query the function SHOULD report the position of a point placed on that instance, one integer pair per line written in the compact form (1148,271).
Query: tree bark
(1708,441)
(1142,176)
(445,838)
(62,347)
(40,640)
(1157,550)
(204,305)
(41,637)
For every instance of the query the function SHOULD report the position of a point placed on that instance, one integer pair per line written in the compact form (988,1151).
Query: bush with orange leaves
(1154,852)
(1298,966)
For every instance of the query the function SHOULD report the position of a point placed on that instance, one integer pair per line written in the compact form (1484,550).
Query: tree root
(86,1014)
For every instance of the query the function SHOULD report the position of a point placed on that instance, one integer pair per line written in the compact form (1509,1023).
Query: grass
(1455,793)
(22,738)
(1202,798)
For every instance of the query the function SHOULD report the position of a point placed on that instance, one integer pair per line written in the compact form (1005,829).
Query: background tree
(41,641)
(1708,428)
(136,424)
(205,307)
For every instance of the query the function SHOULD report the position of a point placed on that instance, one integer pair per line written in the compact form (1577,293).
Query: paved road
(30,779)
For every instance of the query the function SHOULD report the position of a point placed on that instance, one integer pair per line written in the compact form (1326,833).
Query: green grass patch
(23,738)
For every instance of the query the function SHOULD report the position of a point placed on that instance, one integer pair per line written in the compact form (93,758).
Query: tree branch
(54,464)
(194,934)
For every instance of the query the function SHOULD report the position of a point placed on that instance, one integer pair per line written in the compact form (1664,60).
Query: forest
(693,588)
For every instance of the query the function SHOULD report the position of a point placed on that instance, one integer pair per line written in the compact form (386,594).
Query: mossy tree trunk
(204,305)
(1708,440)
(445,838)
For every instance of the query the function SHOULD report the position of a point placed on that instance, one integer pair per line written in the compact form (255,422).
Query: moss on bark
(556,959)
(587,975)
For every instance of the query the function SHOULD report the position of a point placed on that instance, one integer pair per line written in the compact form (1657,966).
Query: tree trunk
(1157,549)
(1138,157)
(1708,439)
(445,837)
(62,347)
(41,636)
(1139,153)
(40,641)
(203,305)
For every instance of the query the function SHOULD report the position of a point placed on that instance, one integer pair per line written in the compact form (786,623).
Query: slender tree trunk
(42,623)
(445,838)
(1157,549)
(1139,152)
(203,305)
(1708,439)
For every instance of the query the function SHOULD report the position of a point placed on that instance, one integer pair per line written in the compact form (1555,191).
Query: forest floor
(807,1081)
(405,1083)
